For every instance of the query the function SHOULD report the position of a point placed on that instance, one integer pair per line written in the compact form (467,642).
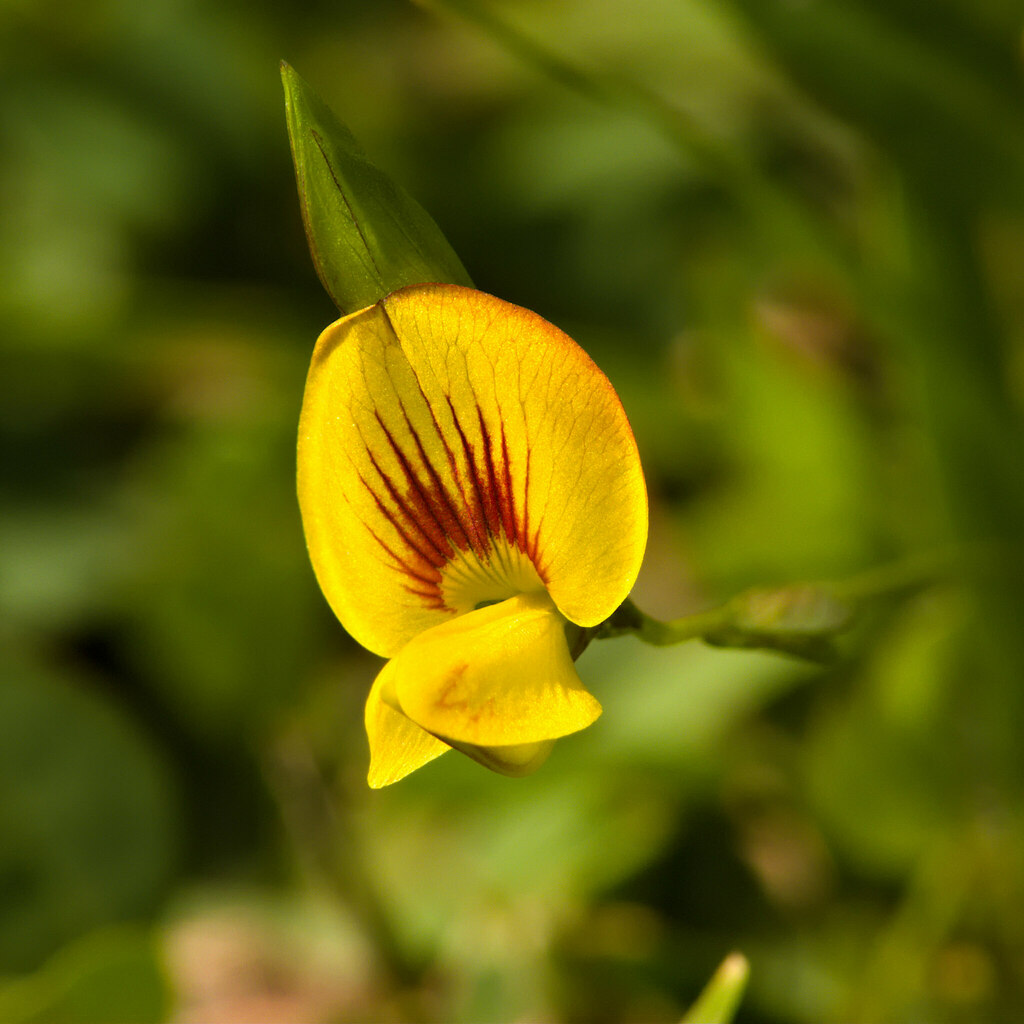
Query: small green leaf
(721,996)
(367,235)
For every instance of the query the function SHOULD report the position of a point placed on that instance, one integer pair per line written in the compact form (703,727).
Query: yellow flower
(471,494)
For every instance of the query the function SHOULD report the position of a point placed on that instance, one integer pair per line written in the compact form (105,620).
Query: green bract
(367,235)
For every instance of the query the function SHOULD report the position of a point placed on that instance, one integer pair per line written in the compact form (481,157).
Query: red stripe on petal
(508,497)
(494,506)
(423,513)
(428,576)
(477,511)
(444,509)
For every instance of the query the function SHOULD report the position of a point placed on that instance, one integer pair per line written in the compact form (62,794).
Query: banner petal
(456,449)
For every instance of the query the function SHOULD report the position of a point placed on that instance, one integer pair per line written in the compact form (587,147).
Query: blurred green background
(792,233)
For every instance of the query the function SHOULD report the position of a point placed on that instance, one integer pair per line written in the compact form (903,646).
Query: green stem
(628,619)
(800,619)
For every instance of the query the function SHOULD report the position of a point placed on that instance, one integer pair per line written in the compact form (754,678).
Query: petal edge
(397,745)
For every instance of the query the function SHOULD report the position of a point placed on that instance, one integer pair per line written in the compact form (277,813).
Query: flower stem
(627,618)
(800,619)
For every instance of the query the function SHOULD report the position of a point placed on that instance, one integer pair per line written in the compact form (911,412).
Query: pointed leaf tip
(368,237)
(718,1003)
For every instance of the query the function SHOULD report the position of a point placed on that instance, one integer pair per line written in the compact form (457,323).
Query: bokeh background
(792,233)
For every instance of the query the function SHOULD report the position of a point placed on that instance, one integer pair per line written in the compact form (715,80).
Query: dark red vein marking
(408,516)
(431,580)
(431,597)
(474,527)
(495,513)
(508,506)
(431,518)
(524,539)
(444,510)
(531,544)
(435,560)
(471,530)
(431,590)
(423,516)
(478,514)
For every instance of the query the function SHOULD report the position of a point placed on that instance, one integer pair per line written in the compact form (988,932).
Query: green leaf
(721,996)
(367,236)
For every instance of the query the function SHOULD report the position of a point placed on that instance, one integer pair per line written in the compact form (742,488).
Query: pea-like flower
(473,500)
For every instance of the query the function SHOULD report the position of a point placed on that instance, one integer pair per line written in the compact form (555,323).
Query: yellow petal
(518,760)
(455,449)
(497,677)
(397,745)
